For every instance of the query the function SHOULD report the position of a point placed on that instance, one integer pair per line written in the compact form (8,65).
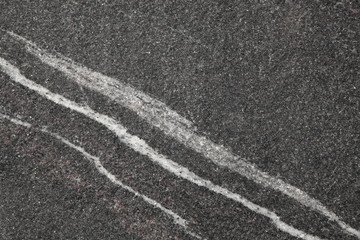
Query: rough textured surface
(275,81)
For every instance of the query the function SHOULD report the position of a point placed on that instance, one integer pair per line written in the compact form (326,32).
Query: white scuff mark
(96,161)
(171,123)
(143,148)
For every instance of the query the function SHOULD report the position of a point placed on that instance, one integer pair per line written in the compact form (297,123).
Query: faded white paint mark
(96,161)
(143,148)
(171,123)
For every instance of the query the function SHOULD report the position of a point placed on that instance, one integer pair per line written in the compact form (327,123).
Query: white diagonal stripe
(171,123)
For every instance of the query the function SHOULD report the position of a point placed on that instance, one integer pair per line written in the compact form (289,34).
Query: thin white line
(171,123)
(177,219)
(143,148)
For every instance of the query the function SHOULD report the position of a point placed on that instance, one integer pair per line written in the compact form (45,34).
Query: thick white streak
(146,106)
(172,124)
(143,148)
(177,219)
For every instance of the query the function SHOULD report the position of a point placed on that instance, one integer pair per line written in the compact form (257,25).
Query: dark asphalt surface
(275,81)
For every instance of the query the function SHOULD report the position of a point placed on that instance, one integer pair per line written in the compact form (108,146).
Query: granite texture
(275,81)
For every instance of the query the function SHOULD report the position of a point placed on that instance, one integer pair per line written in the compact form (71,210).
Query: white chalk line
(96,161)
(171,123)
(143,148)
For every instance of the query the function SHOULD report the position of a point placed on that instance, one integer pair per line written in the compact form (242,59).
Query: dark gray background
(276,81)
